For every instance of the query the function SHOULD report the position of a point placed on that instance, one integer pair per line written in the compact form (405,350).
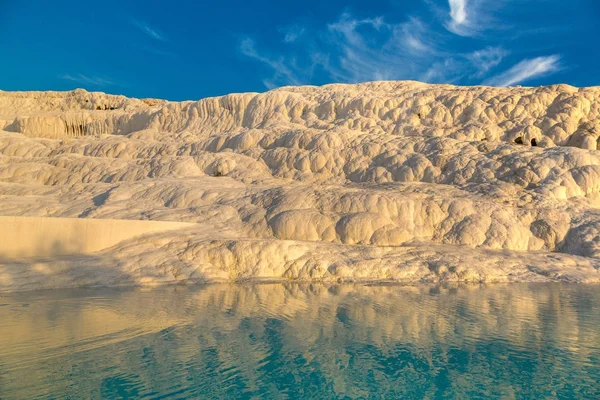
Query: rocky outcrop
(398,181)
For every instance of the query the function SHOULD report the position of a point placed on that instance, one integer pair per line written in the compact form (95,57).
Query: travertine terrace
(381,181)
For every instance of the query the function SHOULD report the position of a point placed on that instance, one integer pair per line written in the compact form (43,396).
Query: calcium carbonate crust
(381,181)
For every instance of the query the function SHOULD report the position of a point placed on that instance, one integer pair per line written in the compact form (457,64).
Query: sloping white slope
(378,181)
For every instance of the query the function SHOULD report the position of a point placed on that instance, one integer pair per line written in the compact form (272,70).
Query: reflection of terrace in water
(396,340)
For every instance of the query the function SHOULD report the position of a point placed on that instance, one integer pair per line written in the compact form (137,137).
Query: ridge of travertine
(398,181)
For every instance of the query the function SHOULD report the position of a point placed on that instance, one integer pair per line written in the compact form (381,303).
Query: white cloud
(458,11)
(462,20)
(526,70)
(150,31)
(87,80)
(292,33)
(447,70)
(283,73)
(486,59)
(351,50)
(471,17)
(354,50)
(372,49)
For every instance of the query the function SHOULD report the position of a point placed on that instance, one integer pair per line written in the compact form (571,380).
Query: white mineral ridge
(380,181)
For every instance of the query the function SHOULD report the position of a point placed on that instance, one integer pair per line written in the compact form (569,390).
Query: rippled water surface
(303,341)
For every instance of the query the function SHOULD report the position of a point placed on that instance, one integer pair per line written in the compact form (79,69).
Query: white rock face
(398,181)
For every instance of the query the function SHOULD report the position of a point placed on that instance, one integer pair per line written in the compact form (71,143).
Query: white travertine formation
(399,181)
(43,236)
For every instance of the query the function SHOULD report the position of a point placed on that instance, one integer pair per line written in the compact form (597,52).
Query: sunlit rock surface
(394,181)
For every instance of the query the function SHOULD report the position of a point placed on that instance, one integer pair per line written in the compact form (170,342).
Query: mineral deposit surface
(381,181)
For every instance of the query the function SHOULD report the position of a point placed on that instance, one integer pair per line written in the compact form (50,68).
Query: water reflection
(303,341)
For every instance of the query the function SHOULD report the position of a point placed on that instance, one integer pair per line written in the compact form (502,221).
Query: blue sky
(182,50)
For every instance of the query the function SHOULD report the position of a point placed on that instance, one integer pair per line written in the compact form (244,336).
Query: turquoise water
(523,341)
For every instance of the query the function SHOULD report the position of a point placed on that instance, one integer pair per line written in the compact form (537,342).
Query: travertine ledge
(49,237)
(381,181)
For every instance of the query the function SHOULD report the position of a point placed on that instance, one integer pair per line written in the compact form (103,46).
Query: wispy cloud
(461,20)
(526,70)
(149,30)
(292,33)
(486,59)
(472,17)
(352,49)
(282,71)
(349,50)
(446,70)
(368,49)
(357,50)
(87,80)
(458,11)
